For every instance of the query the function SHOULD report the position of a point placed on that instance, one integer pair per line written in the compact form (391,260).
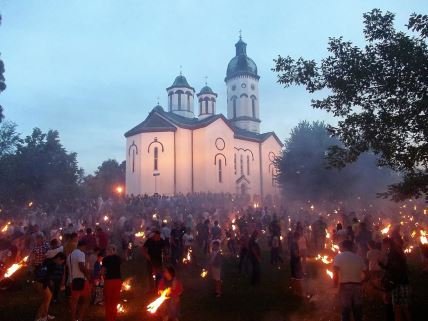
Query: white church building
(182,150)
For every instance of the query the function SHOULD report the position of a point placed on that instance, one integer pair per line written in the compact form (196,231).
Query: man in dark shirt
(153,250)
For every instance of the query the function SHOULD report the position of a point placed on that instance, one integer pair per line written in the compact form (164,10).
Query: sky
(93,69)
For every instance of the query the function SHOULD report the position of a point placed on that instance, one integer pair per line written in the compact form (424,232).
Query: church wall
(212,144)
(133,164)
(165,181)
(184,160)
(251,149)
(270,150)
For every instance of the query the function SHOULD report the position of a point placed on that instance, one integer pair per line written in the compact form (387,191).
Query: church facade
(183,150)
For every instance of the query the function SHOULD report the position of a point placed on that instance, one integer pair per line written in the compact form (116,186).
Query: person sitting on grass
(171,308)
(45,277)
(216,259)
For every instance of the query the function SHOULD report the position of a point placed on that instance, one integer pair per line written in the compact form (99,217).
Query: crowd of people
(78,248)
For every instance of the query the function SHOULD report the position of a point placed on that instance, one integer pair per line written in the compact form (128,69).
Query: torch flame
(126,285)
(188,256)
(140,234)
(4,229)
(15,267)
(204,273)
(120,308)
(423,237)
(329,273)
(324,259)
(154,306)
(385,230)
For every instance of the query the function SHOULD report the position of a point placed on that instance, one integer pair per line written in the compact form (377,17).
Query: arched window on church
(188,102)
(234,163)
(253,106)
(220,174)
(206,106)
(234,106)
(155,158)
(242,165)
(248,164)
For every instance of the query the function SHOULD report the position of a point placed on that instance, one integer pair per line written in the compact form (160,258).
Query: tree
(40,170)
(380,93)
(9,139)
(108,176)
(304,174)
(2,83)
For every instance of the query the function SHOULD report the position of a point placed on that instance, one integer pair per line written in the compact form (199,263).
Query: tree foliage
(380,93)
(107,177)
(304,173)
(37,168)
(2,83)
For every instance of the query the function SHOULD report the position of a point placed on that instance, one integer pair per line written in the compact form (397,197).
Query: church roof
(206,90)
(160,120)
(241,64)
(180,81)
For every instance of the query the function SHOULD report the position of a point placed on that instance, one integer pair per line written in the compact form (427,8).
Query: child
(216,259)
(98,282)
(171,307)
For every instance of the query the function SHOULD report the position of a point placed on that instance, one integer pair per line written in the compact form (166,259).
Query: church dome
(241,64)
(180,81)
(206,90)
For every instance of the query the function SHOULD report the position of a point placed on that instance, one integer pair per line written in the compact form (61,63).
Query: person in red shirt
(171,307)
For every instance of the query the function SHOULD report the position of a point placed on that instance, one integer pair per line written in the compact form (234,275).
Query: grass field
(271,301)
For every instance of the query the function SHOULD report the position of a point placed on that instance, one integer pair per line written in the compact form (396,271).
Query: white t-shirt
(52,252)
(351,267)
(73,261)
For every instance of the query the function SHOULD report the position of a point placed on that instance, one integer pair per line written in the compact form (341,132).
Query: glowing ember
(154,306)
(139,234)
(120,308)
(15,267)
(386,229)
(329,273)
(204,273)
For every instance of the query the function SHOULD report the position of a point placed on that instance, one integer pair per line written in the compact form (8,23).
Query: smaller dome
(206,90)
(158,108)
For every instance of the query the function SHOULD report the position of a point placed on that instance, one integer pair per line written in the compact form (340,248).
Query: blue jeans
(351,301)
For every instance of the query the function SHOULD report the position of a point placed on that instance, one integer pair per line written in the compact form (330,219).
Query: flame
(126,285)
(15,267)
(105,218)
(312,207)
(329,273)
(4,229)
(423,237)
(204,273)
(324,259)
(409,249)
(385,230)
(188,256)
(139,234)
(327,234)
(120,308)
(119,189)
(335,248)
(281,237)
(154,306)
(30,204)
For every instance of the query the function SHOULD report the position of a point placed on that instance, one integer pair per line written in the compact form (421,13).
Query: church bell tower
(242,83)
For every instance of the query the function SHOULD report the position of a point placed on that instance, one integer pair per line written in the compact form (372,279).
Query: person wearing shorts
(76,264)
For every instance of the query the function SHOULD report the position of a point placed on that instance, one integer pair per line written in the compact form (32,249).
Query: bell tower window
(220,174)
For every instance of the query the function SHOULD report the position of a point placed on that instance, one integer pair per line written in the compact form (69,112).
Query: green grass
(270,301)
